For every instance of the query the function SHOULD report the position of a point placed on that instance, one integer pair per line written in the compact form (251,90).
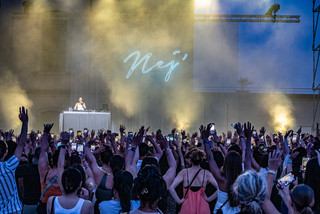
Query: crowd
(246,172)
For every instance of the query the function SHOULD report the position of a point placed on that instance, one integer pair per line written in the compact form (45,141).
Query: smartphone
(73,146)
(93,147)
(254,133)
(58,144)
(124,134)
(185,140)
(170,137)
(80,148)
(304,164)
(228,142)
(79,133)
(286,180)
(196,141)
(70,131)
(261,146)
(85,130)
(130,135)
(212,129)
(39,135)
(52,135)
(294,138)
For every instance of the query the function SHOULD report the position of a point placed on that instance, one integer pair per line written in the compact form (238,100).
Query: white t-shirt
(114,207)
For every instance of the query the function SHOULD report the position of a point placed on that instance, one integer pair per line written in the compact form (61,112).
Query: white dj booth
(78,120)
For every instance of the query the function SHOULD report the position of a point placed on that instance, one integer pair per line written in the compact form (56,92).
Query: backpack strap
(53,180)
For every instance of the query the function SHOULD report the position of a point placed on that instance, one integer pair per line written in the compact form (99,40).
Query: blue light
(172,65)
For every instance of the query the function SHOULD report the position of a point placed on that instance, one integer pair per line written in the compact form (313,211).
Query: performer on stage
(80,106)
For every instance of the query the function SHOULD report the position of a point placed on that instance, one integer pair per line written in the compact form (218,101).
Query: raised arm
(171,172)
(23,116)
(96,171)
(62,155)
(248,130)
(157,150)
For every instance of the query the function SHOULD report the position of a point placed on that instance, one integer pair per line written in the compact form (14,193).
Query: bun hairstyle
(250,189)
(196,156)
(71,179)
(122,183)
(149,186)
(106,155)
(303,198)
(116,163)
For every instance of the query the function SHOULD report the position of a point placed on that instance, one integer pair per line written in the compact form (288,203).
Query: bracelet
(272,172)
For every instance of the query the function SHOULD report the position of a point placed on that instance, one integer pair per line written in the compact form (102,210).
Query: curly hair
(149,186)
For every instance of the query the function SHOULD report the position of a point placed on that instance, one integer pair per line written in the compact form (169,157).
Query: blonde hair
(250,190)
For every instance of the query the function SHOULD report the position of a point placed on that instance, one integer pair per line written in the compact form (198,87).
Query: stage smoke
(12,97)
(280,109)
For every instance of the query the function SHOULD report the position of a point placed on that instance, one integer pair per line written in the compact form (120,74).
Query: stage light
(273,9)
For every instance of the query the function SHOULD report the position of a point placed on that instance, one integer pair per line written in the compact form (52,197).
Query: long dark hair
(116,163)
(122,183)
(312,179)
(231,170)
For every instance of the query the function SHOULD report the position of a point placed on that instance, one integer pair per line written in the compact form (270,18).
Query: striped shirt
(9,198)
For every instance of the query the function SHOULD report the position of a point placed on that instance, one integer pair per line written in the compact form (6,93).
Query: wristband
(272,172)
(241,137)
(132,149)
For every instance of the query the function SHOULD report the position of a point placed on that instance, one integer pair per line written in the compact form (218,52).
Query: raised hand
(299,131)
(275,160)
(240,130)
(122,129)
(23,115)
(248,130)
(205,132)
(93,133)
(47,128)
(262,131)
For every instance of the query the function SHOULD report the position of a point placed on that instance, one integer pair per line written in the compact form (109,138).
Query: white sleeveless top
(60,210)
(223,197)
(80,107)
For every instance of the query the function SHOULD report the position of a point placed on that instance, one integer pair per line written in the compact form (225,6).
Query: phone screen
(80,148)
(228,142)
(73,146)
(170,137)
(286,180)
(212,129)
(93,147)
(130,135)
(79,133)
(70,131)
(304,164)
(58,144)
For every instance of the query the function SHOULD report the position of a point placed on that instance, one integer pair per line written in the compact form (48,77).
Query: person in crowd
(80,106)
(194,181)
(31,183)
(149,188)
(312,179)
(122,193)
(9,198)
(250,189)
(70,181)
(48,175)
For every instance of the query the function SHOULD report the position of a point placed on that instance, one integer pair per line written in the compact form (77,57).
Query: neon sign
(172,65)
